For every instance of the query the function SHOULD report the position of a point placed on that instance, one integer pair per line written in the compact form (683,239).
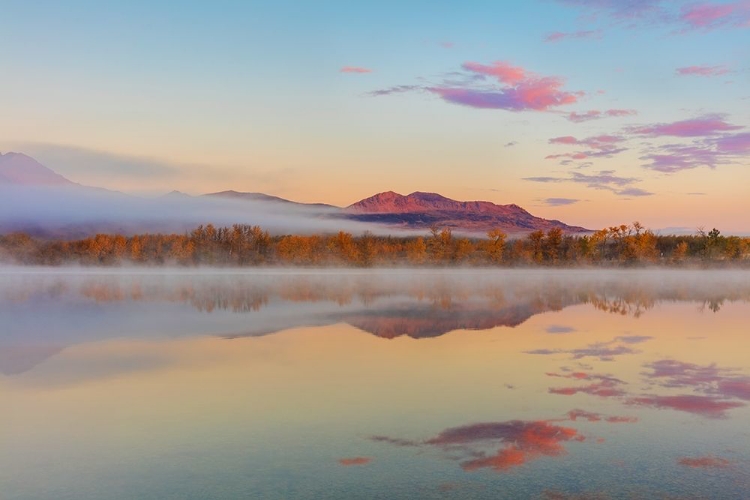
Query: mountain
(37,200)
(17,168)
(422,210)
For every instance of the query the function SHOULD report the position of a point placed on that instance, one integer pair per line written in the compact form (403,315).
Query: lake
(347,384)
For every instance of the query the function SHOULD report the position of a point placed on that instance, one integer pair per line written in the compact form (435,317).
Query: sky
(596,112)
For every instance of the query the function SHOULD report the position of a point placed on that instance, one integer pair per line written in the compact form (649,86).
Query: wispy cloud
(558,36)
(600,142)
(693,17)
(634,191)
(354,69)
(708,16)
(734,144)
(560,202)
(702,70)
(396,89)
(706,152)
(705,125)
(601,146)
(513,88)
(618,9)
(596,114)
(604,179)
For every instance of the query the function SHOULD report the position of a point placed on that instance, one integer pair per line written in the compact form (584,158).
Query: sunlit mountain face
(421,384)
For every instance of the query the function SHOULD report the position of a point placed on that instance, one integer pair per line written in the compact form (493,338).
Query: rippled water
(374,384)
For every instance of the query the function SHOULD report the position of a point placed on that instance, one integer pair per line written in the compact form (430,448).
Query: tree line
(244,245)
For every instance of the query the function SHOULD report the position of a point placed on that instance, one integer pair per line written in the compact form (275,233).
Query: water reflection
(172,386)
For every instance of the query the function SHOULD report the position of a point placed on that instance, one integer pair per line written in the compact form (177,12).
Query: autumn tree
(495,246)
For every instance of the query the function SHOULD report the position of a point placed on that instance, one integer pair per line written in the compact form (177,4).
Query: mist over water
(303,383)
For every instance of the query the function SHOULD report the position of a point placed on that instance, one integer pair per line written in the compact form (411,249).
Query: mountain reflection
(46,311)
(391,304)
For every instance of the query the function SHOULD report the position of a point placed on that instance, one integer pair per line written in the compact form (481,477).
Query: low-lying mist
(75,212)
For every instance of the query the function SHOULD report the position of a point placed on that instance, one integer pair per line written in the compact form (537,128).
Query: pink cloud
(568,139)
(600,142)
(355,69)
(604,179)
(504,72)
(709,16)
(520,89)
(702,70)
(621,112)
(559,36)
(696,127)
(600,146)
(595,114)
(704,16)
(737,143)
(584,117)
(673,159)
(572,156)
(709,152)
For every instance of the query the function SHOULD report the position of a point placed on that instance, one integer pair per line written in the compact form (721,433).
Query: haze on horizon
(593,113)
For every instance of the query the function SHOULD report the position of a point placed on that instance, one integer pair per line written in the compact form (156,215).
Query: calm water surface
(374,384)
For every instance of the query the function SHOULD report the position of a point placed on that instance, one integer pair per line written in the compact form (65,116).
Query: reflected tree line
(243,245)
(512,298)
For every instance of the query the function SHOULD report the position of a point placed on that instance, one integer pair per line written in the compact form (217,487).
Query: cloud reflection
(520,442)
(705,406)
(355,461)
(705,462)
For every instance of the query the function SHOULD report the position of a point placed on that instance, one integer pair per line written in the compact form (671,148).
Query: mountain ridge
(420,210)
(416,211)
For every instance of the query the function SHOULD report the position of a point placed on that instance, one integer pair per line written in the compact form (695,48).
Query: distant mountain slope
(17,168)
(422,210)
(237,195)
